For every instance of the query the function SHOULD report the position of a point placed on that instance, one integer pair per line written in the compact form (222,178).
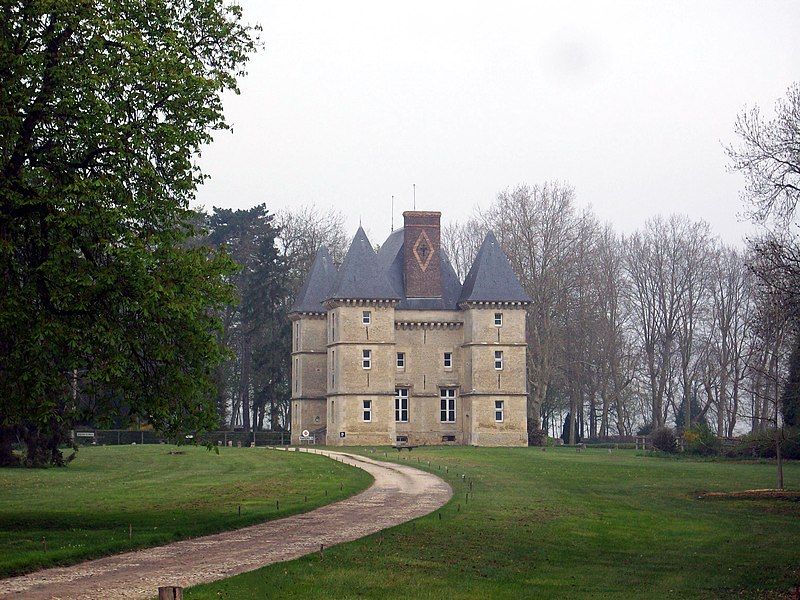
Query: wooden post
(170,592)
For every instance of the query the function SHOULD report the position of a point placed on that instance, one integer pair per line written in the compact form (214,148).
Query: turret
(309,348)
(494,349)
(361,356)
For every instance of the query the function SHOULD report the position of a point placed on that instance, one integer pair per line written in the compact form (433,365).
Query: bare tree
(539,228)
(769,157)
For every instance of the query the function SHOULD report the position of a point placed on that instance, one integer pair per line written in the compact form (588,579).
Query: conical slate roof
(321,278)
(491,279)
(361,275)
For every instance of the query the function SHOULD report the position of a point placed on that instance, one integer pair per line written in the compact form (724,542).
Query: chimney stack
(421,261)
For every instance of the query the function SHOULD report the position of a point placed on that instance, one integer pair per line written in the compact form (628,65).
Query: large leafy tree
(105,309)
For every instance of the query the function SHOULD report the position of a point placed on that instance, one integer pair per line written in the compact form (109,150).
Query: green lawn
(561,524)
(86,509)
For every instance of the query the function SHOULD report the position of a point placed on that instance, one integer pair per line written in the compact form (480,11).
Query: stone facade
(400,370)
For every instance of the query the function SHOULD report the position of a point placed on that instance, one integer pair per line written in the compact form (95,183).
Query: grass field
(561,524)
(108,493)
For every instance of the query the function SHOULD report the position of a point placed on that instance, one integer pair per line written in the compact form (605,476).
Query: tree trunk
(244,389)
(722,401)
(7,456)
(573,417)
(535,399)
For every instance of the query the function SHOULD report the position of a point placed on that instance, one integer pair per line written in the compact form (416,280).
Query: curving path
(400,493)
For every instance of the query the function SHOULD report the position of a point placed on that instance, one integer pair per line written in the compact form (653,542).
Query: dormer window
(498,319)
(366,317)
(366,359)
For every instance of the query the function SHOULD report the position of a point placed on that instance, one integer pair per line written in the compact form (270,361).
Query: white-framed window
(448,360)
(366,317)
(447,405)
(498,360)
(499,410)
(366,410)
(366,359)
(401,360)
(498,319)
(401,405)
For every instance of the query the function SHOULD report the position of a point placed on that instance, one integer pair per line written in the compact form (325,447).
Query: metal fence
(118,437)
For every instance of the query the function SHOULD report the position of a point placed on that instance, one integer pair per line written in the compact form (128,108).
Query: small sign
(305,433)
(308,438)
(341,434)
(84,433)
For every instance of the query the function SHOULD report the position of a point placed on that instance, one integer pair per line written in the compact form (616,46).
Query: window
(366,359)
(401,405)
(401,439)
(401,360)
(447,405)
(366,317)
(367,410)
(296,375)
(498,411)
(333,327)
(448,438)
(333,367)
(297,336)
(498,360)
(448,360)
(498,319)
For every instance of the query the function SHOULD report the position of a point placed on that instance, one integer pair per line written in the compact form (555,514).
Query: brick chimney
(421,262)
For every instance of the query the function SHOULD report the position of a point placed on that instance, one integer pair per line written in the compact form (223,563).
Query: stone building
(392,348)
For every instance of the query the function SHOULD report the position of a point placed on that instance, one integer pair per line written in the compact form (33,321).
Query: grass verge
(117,498)
(559,524)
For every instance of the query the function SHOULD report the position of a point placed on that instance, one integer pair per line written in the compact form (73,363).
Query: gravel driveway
(400,493)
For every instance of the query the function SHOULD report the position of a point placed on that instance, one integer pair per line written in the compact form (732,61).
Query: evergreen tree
(790,402)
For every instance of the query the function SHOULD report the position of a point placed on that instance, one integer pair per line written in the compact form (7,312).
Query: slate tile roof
(370,276)
(491,279)
(361,276)
(321,278)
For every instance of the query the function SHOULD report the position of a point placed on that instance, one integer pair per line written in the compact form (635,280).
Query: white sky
(630,102)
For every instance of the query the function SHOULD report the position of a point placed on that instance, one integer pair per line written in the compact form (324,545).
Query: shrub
(537,437)
(664,439)
(700,440)
(645,429)
(762,445)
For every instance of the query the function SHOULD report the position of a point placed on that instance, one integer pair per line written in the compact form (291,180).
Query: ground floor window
(401,405)
(367,410)
(499,410)
(447,405)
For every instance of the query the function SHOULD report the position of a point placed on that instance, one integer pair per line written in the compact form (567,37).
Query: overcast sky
(630,102)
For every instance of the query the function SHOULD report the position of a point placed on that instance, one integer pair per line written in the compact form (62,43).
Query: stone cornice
(428,324)
(494,304)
